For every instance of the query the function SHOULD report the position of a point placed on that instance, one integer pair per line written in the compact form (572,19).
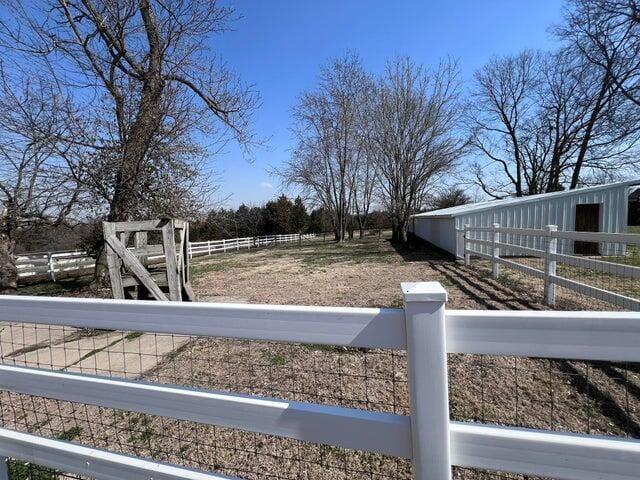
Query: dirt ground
(572,396)
(363,273)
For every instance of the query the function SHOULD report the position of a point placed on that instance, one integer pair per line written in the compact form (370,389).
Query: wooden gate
(160,271)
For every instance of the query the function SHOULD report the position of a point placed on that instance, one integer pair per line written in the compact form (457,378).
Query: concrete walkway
(105,353)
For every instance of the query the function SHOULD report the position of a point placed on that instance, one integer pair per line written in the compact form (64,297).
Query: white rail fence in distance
(423,328)
(51,265)
(54,265)
(210,247)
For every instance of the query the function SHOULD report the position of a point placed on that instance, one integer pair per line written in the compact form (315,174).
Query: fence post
(550,266)
(424,305)
(495,252)
(52,273)
(4,469)
(459,243)
(467,256)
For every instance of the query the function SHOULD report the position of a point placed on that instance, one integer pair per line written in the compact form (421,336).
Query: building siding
(558,211)
(441,232)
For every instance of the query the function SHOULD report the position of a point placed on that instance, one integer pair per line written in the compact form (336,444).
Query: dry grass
(559,395)
(363,273)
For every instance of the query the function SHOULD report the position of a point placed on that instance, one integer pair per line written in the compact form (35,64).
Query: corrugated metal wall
(439,231)
(558,211)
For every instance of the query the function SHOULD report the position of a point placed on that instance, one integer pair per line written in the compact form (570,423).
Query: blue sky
(279,45)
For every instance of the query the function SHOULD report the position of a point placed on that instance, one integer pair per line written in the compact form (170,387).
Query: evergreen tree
(277,216)
(299,217)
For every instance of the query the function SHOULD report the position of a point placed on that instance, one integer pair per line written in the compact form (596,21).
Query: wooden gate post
(113,262)
(173,278)
(424,305)
(550,266)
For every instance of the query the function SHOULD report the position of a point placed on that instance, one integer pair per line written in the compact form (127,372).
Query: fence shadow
(475,284)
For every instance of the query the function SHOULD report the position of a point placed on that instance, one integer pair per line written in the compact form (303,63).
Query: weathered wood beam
(168,237)
(132,281)
(113,262)
(142,225)
(133,264)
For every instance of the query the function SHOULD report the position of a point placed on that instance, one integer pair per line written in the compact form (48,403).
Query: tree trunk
(101,272)
(395,232)
(8,269)
(586,139)
(404,228)
(135,147)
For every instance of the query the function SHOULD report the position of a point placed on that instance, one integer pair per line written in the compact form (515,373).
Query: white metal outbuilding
(603,208)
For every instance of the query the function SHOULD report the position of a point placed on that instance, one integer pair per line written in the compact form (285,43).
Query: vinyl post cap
(423,292)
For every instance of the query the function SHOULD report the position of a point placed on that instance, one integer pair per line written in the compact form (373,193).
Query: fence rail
(423,328)
(612,250)
(54,265)
(214,246)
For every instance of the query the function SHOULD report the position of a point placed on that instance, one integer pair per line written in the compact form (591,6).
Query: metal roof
(506,202)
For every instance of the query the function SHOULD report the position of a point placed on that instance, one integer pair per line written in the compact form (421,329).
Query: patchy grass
(71,434)
(62,288)
(28,471)
(362,273)
(215,263)
(133,335)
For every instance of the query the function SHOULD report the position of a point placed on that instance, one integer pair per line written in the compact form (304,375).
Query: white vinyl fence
(424,328)
(613,278)
(215,246)
(53,265)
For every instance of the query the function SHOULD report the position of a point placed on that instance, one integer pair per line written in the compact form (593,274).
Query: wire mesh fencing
(560,395)
(584,270)
(367,379)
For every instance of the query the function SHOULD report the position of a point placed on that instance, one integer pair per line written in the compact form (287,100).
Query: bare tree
(607,34)
(330,148)
(499,108)
(365,182)
(36,186)
(131,55)
(414,135)
(449,197)
(545,122)
(142,76)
